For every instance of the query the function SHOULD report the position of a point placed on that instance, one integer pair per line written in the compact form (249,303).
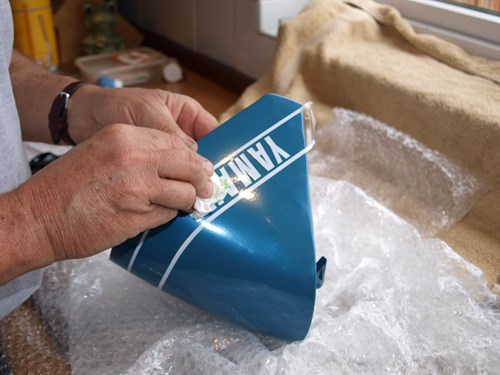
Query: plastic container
(134,66)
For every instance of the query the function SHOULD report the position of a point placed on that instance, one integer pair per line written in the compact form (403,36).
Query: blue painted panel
(251,260)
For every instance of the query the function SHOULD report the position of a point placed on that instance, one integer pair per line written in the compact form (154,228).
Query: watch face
(42,160)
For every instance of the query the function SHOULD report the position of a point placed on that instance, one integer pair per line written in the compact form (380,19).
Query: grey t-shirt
(14,168)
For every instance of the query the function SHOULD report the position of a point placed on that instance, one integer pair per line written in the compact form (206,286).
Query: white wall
(237,33)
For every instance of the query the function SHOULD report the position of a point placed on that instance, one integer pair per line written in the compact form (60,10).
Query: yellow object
(34,33)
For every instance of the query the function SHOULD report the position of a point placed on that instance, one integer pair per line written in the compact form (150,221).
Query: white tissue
(203,206)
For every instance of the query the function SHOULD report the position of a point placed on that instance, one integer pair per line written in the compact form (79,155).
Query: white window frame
(476,32)
(272,12)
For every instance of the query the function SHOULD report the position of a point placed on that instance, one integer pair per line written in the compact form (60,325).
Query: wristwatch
(58,123)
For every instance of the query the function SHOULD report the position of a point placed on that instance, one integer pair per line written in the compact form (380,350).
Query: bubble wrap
(419,184)
(393,302)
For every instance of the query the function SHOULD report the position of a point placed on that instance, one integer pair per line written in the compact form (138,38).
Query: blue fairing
(252,259)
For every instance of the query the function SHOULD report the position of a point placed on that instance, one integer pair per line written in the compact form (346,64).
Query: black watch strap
(58,123)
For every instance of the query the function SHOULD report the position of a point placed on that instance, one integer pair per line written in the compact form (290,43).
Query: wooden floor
(212,96)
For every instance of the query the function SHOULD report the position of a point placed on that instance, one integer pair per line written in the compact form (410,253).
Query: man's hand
(92,108)
(123,180)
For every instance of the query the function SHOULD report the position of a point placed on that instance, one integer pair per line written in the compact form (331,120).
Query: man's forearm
(34,89)
(23,239)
